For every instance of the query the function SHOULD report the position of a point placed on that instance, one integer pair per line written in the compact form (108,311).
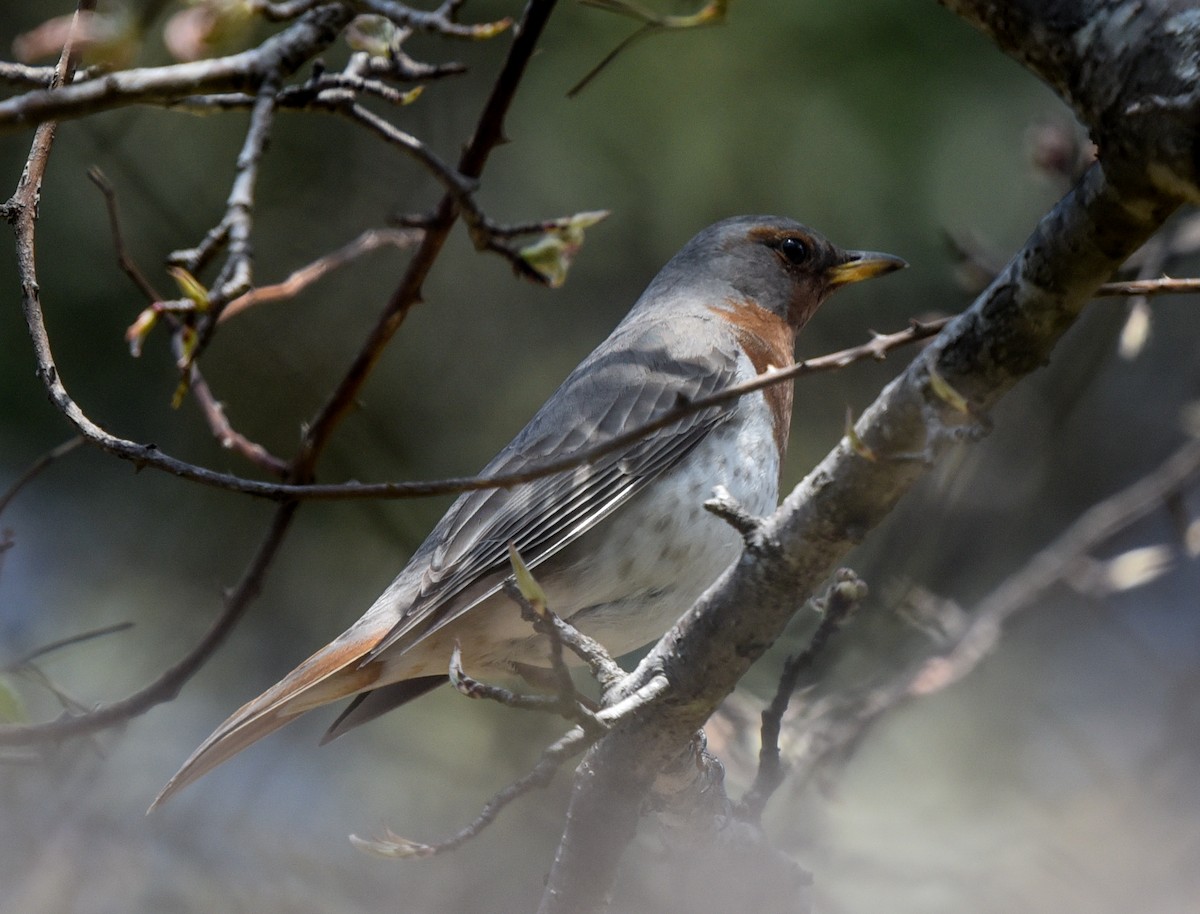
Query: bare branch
(276,58)
(210,407)
(1162,286)
(553,757)
(299,280)
(168,684)
(833,727)
(37,467)
(69,641)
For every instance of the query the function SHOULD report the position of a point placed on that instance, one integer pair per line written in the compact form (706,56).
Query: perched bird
(622,545)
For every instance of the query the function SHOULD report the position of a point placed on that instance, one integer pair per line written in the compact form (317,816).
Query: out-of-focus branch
(36,468)
(276,58)
(831,728)
(168,684)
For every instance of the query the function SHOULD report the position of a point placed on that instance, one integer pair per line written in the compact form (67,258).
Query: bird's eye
(795,250)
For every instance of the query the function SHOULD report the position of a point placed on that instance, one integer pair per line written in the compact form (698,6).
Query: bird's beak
(860,265)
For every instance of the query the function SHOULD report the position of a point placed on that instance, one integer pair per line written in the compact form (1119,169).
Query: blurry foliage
(881,123)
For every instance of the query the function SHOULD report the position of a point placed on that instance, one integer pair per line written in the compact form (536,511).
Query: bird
(621,545)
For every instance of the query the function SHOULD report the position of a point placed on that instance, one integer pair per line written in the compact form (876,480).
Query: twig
(128,266)
(222,429)
(37,467)
(1163,286)
(70,641)
(839,604)
(211,408)
(299,280)
(455,184)
(440,20)
(171,680)
(564,703)
(393,846)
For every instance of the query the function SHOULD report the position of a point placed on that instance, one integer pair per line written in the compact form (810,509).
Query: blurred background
(1060,776)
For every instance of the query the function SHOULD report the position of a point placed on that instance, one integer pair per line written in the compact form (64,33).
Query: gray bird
(622,545)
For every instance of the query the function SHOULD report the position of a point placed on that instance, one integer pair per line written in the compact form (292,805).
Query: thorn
(730,510)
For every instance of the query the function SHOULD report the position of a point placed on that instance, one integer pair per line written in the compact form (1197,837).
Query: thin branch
(222,429)
(70,641)
(234,229)
(1162,286)
(37,467)
(171,680)
(440,20)
(393,846)
(299,280)
(210,407)
(454,183)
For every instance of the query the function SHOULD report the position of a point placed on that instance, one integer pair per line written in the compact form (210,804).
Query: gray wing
(629,381)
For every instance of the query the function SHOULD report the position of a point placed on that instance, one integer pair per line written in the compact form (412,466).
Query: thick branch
(1127,67)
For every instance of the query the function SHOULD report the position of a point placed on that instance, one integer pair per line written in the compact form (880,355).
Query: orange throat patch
(769,342)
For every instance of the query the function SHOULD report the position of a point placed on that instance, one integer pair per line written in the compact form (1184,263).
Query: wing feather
(618,388)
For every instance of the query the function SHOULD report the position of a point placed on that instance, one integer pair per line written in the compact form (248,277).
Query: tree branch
(277,57)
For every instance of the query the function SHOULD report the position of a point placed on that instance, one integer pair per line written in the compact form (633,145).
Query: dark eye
(795,250)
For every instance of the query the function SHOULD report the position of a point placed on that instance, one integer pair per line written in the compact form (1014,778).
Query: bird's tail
(331,673)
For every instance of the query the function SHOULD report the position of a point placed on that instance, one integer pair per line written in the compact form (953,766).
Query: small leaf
(375,35)
(530,589)
(191,287)
(137,332)
(551,255)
